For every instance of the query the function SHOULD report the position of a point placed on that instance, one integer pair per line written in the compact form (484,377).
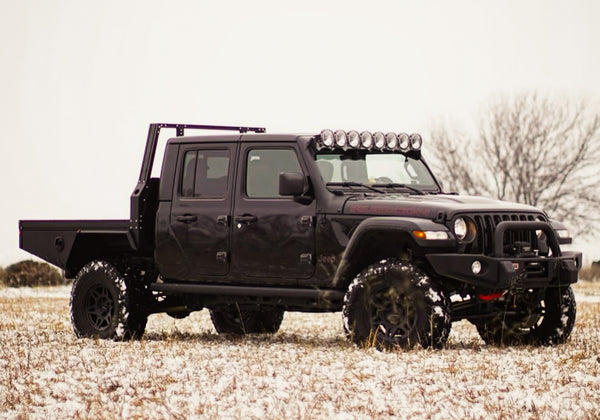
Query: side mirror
(291,183)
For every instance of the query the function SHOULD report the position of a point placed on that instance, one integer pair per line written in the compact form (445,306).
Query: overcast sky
(81,80)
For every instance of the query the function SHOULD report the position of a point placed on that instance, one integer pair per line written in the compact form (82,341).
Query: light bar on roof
(366,140)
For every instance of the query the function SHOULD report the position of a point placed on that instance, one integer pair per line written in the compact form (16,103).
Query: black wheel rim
(393,317)
(530,314)
(100,306)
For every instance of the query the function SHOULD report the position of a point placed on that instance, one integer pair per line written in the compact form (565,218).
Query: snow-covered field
(183,369)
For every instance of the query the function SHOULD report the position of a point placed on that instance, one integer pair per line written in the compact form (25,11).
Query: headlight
(353,139)
(391,141)
(460,228)
(564,237)
(404,142)
(327,138)
(416,141)
(465,229)
(340,138)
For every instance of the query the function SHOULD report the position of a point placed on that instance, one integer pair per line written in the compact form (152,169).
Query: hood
(430,206)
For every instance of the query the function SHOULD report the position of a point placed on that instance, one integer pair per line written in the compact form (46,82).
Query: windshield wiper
(395,185)
(354,184)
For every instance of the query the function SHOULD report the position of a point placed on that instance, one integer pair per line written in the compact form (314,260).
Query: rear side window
(263,167)
(205,174)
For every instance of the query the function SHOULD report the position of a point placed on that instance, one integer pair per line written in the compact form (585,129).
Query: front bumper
(503,273)
(500,272)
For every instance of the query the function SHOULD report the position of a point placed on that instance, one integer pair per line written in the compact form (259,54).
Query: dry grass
(182,369)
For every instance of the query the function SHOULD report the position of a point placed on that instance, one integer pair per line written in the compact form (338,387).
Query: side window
(263,167)
(205,174)
(189,171)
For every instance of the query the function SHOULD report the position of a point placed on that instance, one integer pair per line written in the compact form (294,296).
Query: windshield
(379,169)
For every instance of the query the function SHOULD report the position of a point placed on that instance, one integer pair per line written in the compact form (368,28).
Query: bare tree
(530,149)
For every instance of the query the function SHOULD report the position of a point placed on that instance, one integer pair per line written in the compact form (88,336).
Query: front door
(274,236)
(201,210)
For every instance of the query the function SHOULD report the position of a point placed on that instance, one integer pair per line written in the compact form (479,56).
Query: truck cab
(223,217)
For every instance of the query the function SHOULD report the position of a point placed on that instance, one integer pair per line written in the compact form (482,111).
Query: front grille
(515,242)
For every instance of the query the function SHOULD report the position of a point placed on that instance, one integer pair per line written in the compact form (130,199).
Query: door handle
(187,218)
(223,220)
(246,218)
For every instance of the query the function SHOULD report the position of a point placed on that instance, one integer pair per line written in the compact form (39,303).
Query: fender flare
(370,229)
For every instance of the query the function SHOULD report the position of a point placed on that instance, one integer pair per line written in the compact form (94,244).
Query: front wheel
(101,305)
(538,321)
(241,321)
(394,304)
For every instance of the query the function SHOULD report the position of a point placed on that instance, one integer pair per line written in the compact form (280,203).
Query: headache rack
(154,131)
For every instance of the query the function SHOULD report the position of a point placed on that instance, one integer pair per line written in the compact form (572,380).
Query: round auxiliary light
(404,142)
(460,228)
(327,138)
(353,139)
(476,267)
(341,138)
(391,141)
(416,141)
(366,139)
(379,139)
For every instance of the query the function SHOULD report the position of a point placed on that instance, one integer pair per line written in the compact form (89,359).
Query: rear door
(273,236)
(200,217)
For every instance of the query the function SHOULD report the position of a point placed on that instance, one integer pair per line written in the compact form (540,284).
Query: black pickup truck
(250,225)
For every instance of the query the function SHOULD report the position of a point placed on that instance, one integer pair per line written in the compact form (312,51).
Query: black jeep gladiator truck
(250,225)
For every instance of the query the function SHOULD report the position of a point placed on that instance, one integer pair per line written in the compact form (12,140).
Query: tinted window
(189,170)
(263,169)
(205,174)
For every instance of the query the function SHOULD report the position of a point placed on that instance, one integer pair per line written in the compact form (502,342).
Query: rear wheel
(394,304)
(241,321)
(545,320)
(101,305)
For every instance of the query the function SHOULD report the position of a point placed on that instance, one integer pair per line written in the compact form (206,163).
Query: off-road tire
(555,319)
(101,305)
(240,321)
(393,304)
